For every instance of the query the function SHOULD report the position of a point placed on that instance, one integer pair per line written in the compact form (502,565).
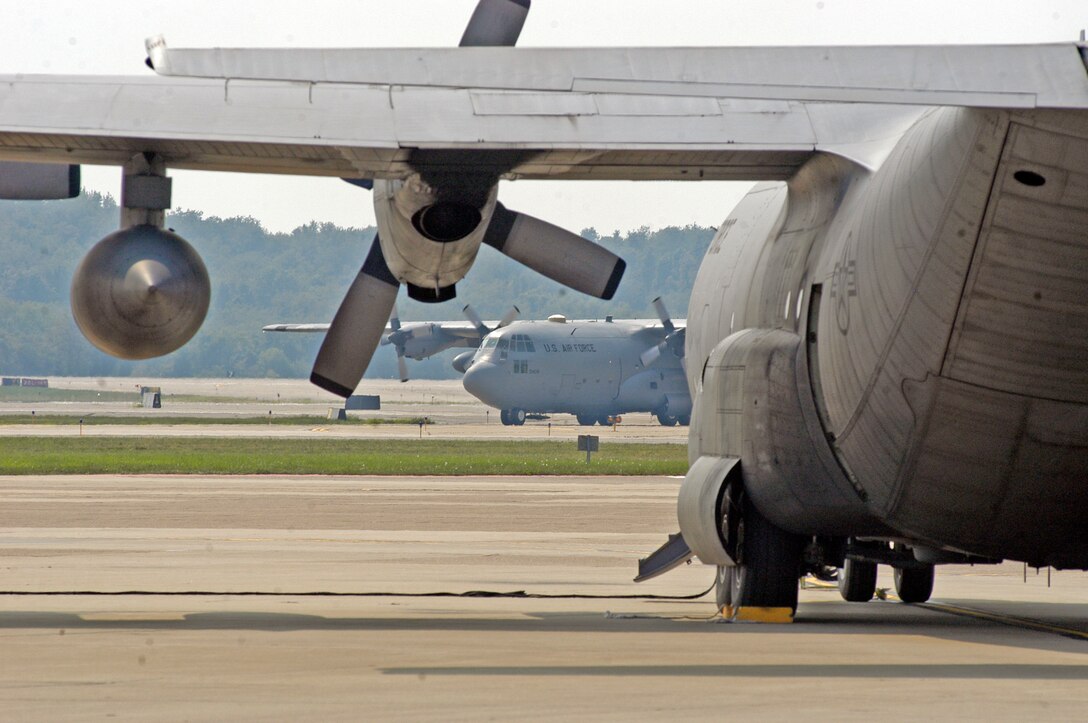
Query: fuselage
(930,320)
(586,368)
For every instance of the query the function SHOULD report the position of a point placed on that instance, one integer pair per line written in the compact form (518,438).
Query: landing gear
(666,420)
(684,419)
(586,420)
(512,417)
(603,420)
(857,581)
(723,587)
(914,584)
(770,565)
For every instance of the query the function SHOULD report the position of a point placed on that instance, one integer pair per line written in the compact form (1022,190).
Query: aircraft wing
(303,328)
(615,113)
(461,329)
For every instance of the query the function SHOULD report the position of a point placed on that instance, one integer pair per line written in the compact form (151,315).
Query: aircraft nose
(478,380)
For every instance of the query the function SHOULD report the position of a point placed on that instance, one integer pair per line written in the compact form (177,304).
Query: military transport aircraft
(421,339)
(886,340)
(594,370)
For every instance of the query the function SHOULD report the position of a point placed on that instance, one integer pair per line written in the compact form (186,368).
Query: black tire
(684,419)
(586,420)
(857,581)
(914,584)
(504,416)
(666,420)
(603,420)
(517,417)
(770,564)
(723,587)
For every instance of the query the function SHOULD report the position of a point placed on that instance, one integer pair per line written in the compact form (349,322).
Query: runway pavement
(453,412)
(221,619)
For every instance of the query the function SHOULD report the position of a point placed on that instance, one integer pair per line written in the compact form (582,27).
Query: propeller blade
(357,327)
(508,317)
(555,252)
(495,23)
(475,320)
(402,367)
(651,355)
(394,318)
(663,314)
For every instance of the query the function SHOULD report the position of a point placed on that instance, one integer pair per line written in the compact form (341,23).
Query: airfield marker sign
(588,443)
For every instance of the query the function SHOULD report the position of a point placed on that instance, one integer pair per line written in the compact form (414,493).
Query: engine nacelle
(430,236)
(463,361)
(140,292)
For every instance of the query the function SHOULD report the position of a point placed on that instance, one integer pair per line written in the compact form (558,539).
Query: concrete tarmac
(208,598)
(454,413)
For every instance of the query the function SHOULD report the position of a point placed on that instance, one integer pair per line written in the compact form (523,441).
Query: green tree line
(260,278)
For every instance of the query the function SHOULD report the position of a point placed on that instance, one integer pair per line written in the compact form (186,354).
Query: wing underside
(643,113)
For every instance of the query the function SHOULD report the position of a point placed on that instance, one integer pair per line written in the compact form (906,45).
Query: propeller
(495,23)
(483,328)
(555,252)
(398,338)
(674,338)
(357,327)
(508,318)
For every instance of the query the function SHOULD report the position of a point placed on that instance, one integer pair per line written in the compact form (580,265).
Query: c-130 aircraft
(886,338)
(595,370)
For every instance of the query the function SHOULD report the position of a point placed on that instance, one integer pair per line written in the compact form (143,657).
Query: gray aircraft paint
(585,367)
(930,383)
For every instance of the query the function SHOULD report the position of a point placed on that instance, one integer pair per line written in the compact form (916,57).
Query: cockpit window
(504,344)
(490,342)
(522,342)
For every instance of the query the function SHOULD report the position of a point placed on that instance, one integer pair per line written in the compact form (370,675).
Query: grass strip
(49,394)
(73,420)
(198,455)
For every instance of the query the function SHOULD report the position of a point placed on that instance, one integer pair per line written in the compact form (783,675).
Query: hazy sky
(106,37)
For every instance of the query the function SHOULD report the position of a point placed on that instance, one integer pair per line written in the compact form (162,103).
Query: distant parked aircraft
(592,369)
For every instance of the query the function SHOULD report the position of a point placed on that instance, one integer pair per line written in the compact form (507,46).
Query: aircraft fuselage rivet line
(1012,621)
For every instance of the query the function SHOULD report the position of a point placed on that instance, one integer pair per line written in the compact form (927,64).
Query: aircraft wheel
(857,581)
(603,420)
(586,420)
(666,420)
(723,587)
(770,563)
(684,419)
(517,417)
(504,416)
(914,584)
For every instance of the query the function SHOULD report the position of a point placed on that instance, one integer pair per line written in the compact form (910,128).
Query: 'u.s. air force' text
(568,347)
